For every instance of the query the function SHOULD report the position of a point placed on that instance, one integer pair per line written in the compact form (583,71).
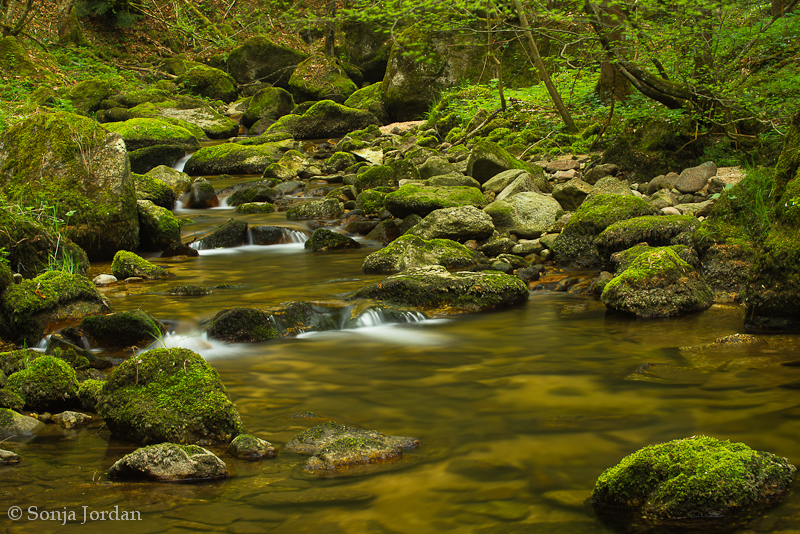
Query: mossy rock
(321,78)
(370,201)
(242,325)
(158,227)
(169,462)
(656,231)
(260,59)
(789,161)
(433,288)
(531,210)
(339,161)
(487,160)
(271,103)
(235,158)
(11,400)
(48,383)
(73,357)
(257,192)
(691,484)
(69,162)
(145,159)
(377,176)
(410,251)
(122,329)
(53,296)
(232,233)
(127,264)
(169,395)
(153,190)
(16,360)
(31,246)
(142,133)
(323,120)
(422,200)
(324,239)
(329,208)
(194,115)
(88,392)
(16,425)
(87,96)
(249,447)
(179,182)
(14,59)
(459,224)
(255,207)
(202,80)
(658,283)
(370,99)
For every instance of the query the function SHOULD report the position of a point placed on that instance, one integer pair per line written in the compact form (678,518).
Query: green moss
(122,329)
(6,417)
(12,401)
(377,176)
(271,103)
(158,227)
(48,383)
(370,201)
(16,360)
(321,78)
(70,356)
(255,207)
(422,200)
(88,95)
(154,190)
(410,251)
(168,395)
(141,133)
(693,478)
(370,99)
(127,264)
(789,160)
(242,325)
(651,229)
(48,291)
(234,158)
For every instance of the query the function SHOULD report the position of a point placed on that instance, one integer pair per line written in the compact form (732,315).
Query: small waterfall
(379,317)
(249,239)
(294,236)
(181,163)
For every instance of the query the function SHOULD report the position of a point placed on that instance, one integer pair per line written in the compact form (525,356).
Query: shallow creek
(518,410)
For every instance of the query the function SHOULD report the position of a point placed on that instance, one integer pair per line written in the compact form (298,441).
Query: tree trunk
(778,7)
(69,30)
(612,85)
(543,74)
(330,30)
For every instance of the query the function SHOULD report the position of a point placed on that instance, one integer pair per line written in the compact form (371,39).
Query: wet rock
(411,251)
(8,457)
(254,193)
(202,195)
(329,208)
(168,395)
(122,329)
(179,249)
(496,246)
(656,231)
(168,462)
(658,284)
(179,182)
(333,445)
(18,425)
(530,273)
(235,158)
(230,234)
(386,231)
(47,383)
(189,290)
(127,264)
(323,120)
(255,207)
(249,447)
(72,419)
(487,160)
(727,267)
(692,484)
(694,179)
(323,239)
(459,224)
(102,280)
(158,227)
(242,325)
(154,190)
(433,287)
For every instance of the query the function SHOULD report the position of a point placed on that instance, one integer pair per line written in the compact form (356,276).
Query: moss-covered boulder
(158,227)
(260,59)
(324,239)
(235,158)
(169,462)
(329,208)
(193,114)
(334,446)
(29,307)
(127,264)
(168,395)
(370,99)
(14,59)
(31,246)
(179,182)
(271,103)
(323,120)
(658,283)
(202,80)
(321,78)
(656,231)
(232,233)
(256,192)
(141,133)
(529,212)
(377,176)
(575,244)
(47,383)
(88,96)
(422,200)
(153,190)
(370,201)
(435,289)
(122,329)
(488,159)
(693,484)
(410,251)
(88,392)
(69,162)
(11,400)
(249,447)
(571,194)
(13,424)
(459,224)
(202,195)
(242,325)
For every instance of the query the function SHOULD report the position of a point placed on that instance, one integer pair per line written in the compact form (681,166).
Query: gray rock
(572,193)
(526,210)
(563,176)
(502,180)
(459,224)
(694,179)
(522,184)
(18,425)
(72,419)
(600,171)
(525,248)
(562,165)
(202,195)
(104,280)
(435,166)
(497,246)
(662,182)
(609,186)
(410,251)
(249,447)
(698,209)
(662,198)
(168,462)
(329,208)
(179,182)
(452,180)
(323,239)
(8,457)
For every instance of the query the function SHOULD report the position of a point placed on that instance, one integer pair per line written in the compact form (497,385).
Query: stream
(518,410)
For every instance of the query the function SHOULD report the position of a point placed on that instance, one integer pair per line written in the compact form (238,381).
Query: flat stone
(562,165)
(565,175)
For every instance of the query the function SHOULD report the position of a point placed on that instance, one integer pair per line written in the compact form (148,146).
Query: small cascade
(249,239)
(181,163)
(380,317)
(294,236)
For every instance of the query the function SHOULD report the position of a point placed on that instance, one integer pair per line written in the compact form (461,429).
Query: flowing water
(518,410)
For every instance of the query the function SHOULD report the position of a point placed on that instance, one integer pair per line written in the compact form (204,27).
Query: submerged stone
(168,462)
(324,239)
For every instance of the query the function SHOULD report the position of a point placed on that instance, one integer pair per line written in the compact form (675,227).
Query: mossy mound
(193,114)
(698,478)
(321,78)
(422,200)
(260,59)
(329,208)
(48,383)
(16,360)
(324,239)
(370,99)
(69,162)
(257,192)
(122,329)
(158,227)
(242,325)
(377,176)
(410,251)
(654,230)
(127,264)
(370,201)
(88,392)
(168,395)
(169,462)
(235,158)
(179,182)
(271,103)
(11,400)
(150,188)
(434,288)
(323,120)
(459,224)
(202,80)
(255,207)
(658,283)
(141,133)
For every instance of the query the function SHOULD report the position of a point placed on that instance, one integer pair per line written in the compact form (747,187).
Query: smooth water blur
(518,410)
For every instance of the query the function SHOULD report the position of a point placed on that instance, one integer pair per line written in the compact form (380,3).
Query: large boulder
(323,239)
(69,162)
(329,208)
(575,244)
(153,190)
(488,159)
(47,383)
(179,182)
(459,224)
(694,179)
(232,233)
(531,212)
(260,59)
(571,194)
(658,283)
(697,484)
(410,251)
(321,78)
(434,288)
(656,231)
(370,99)
(242,325)
(323,120)
(127,264)
(168,395)
(422,200)
(122,329)
(270,103)
(169,462)
(202,80)
(192,114)
(142,133)
(367,45)
(235,158)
